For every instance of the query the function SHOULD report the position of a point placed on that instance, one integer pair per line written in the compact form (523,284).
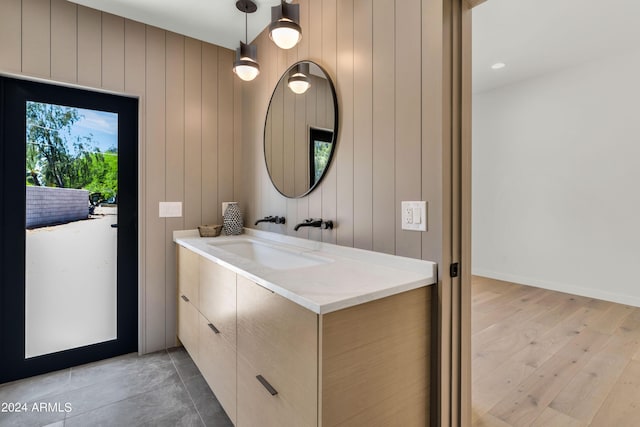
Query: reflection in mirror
(300,129)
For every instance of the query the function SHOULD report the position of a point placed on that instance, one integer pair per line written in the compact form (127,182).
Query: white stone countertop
(347,277)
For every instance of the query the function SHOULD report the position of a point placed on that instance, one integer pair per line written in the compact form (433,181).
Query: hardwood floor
(545,358)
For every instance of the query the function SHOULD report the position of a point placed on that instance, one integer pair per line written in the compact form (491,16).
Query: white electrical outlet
(414,216)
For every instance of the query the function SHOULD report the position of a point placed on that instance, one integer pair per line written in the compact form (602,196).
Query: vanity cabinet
(277,359)
(188,284)
(272,362)
(217,332)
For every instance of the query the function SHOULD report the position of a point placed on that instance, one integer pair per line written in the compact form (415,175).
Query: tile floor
(159,389)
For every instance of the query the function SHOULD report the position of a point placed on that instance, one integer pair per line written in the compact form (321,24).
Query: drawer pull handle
(213,328)
(266,385)
(185,298)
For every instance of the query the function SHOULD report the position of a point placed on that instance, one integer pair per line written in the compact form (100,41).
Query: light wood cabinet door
(277,342)
(217,362)
(188,326)
(218,298)
(189,275)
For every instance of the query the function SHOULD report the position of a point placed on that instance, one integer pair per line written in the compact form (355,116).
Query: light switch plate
(170,209)
(414,216)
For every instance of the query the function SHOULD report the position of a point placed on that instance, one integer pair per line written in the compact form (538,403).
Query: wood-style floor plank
(585,393)
(545,358)
(553,418)
(622,406)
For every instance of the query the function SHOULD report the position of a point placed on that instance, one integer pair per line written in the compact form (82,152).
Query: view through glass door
(71,236)
(68,222)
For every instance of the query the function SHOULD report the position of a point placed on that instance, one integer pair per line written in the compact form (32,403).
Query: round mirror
(300,129)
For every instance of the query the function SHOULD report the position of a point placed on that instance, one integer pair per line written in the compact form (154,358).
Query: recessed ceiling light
(498,65)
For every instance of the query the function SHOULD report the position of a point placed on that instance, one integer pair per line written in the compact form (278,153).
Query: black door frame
(13,96)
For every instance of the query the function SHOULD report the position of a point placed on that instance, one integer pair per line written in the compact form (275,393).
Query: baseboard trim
(560,287)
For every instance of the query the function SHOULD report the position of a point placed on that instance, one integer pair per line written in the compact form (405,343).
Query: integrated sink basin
(269,256)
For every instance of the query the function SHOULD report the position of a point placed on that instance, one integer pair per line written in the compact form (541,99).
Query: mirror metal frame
(334,141)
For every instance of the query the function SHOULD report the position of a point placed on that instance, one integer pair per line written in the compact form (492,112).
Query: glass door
(69,281)
(71,222)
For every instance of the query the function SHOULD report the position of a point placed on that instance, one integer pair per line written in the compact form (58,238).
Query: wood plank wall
(386,59)
(190,132)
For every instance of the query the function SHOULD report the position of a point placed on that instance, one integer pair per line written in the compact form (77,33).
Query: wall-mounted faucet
(319,223)
(273,219)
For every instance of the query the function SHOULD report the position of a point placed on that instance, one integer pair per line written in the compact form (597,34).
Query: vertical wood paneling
(70,43)
(155,192)
(383,101)
(64,49)
(302,204)
(135,64)
(237,140)
(225,126)
(112,52)
(432,128)
(329,59)
(278,205)
(363,125)
(384,154)
(408,117)
(193,134)
(210,205)
(175,166)
(36,41)
(344,154)
(89,47)
(11,30)
(315,23)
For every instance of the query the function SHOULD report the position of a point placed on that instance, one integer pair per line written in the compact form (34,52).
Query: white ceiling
(215,21)
(533,37)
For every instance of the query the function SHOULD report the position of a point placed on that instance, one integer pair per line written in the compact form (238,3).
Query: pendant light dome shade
(285,30)
(299,81)
(246,65)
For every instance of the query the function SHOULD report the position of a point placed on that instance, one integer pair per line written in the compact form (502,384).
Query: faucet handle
(280,220)
(327,225)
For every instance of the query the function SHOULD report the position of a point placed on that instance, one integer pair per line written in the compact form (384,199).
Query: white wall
(556,180)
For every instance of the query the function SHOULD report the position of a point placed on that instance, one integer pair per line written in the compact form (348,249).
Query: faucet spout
(265,219)
(309,223)
(273,219)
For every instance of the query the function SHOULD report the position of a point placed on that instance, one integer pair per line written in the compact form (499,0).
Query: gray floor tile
(30,418)
(160,389)
(117,367)
(182,418)
(208,406)
(178,353)
(186,368)
(139,410)
(140,380)
(34,388)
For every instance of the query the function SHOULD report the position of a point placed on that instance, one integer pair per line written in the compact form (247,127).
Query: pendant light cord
(246,24)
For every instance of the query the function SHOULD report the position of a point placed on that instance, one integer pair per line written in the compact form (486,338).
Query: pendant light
(299,81)
(246,64)
(285,28)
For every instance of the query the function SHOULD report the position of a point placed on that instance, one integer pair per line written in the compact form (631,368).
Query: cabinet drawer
(217,362)
(278,340)
(188,326)
(218,298)
(188,275)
